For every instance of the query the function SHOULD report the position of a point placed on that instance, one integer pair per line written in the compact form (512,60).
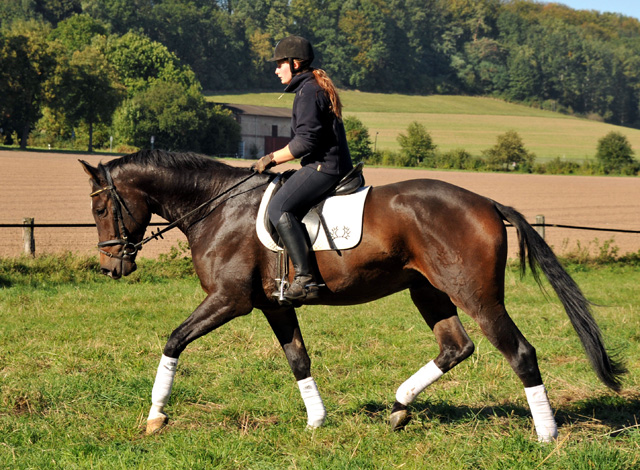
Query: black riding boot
(294,238)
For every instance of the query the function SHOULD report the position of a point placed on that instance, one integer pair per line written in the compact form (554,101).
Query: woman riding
(320,142)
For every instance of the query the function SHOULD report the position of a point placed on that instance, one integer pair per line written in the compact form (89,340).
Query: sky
(625,7)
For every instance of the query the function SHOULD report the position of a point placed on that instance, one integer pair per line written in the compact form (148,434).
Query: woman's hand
(264,163)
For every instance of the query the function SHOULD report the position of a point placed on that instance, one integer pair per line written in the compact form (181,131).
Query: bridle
(130,249)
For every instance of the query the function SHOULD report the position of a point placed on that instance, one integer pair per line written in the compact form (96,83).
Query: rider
(320,142)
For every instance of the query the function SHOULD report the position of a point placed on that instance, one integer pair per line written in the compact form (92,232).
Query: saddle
(339,215)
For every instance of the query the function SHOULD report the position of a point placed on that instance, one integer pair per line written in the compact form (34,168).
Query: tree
(122,15)
(207,39)
(85,89)
(614,152)
(417,147)
(54,11)
(139,62)
(77,32)
(27,61)
(368,32)
(524,78)
(178,118)
(509,154)
(358,139)
(220,133)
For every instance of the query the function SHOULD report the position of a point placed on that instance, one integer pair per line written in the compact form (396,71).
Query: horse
(445,244)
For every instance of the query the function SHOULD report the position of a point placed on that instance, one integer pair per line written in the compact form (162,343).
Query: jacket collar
(297,81)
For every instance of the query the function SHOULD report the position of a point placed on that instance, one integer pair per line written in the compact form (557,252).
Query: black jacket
(318,135)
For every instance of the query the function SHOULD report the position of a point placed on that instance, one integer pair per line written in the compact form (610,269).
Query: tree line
(545,55)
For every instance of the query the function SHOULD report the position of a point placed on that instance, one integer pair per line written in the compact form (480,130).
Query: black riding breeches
(305,188)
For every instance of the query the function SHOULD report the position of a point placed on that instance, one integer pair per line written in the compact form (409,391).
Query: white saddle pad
(342,215)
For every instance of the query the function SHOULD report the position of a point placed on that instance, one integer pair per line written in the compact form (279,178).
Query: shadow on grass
(5,282)
(616,412)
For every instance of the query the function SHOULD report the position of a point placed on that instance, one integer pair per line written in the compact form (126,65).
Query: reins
(122,237)
(174,224)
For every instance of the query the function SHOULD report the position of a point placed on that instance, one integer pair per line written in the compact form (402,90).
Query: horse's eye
(101,212)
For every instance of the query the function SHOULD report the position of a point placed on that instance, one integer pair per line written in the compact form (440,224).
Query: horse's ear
(91,171)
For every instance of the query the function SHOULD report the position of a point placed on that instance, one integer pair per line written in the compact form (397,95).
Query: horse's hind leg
(284,323)
(503,333)
(455,346)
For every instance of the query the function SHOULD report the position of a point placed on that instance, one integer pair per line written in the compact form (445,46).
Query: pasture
(471,123)
(79,353)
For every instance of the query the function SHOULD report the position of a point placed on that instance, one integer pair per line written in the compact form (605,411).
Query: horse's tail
(532,246)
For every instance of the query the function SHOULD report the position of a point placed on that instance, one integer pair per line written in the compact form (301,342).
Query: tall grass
(79,353)
(454,122)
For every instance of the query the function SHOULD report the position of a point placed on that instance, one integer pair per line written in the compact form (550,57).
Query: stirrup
(279,293)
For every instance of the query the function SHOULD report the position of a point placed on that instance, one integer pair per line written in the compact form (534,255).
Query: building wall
(254,130)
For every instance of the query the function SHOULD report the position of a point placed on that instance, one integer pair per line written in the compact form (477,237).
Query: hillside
(472,123)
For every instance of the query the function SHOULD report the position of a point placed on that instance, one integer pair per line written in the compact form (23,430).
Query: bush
(389,158)
(358,139)
(592,253)
(509,154)
(557,166)
(458,159)
(615,154)
(417,147)
(375,158)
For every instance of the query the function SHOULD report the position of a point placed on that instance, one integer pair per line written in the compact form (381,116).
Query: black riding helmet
(294,47)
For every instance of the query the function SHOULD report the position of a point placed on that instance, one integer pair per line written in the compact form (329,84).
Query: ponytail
(330,90)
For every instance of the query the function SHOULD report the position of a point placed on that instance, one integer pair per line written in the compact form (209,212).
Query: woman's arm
(274,158)
(283,155)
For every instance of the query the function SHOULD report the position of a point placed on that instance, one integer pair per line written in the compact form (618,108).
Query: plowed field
(53,188)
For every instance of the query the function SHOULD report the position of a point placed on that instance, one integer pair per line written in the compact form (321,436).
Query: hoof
(399,419)
(156,424)
(315,425)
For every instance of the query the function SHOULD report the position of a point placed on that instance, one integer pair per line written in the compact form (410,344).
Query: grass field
(465,122)
(79,354)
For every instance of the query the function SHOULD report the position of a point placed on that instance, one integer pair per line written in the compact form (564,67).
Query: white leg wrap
(543,419)
(408,391)
(313,402)
(162,386)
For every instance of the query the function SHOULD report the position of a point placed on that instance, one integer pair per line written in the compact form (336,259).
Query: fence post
(28,237)
(540,226)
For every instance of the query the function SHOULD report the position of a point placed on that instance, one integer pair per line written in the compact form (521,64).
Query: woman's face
(283,71)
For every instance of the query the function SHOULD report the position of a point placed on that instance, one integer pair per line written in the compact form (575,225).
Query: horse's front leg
(284,323)
(212,313)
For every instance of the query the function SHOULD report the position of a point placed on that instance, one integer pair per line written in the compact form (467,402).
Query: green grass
(79,353)
(472,123)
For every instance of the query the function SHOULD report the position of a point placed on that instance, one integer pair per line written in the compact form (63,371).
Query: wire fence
(29,229)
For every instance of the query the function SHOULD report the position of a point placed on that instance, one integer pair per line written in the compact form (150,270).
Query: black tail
(533,247)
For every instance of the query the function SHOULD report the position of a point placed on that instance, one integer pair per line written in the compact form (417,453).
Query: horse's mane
(183,161)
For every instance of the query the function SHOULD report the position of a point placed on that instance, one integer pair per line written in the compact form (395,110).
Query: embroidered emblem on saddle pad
(334,224)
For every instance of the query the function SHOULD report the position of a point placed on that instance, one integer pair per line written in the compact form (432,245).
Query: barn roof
(252,110)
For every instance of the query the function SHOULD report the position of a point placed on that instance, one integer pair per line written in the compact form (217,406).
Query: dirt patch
(53,188)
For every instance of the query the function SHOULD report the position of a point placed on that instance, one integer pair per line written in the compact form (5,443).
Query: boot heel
(313,292)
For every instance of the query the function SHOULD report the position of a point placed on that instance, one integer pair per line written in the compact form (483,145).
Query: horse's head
(121,216)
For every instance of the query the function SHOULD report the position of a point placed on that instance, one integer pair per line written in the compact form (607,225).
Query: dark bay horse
(445,244)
